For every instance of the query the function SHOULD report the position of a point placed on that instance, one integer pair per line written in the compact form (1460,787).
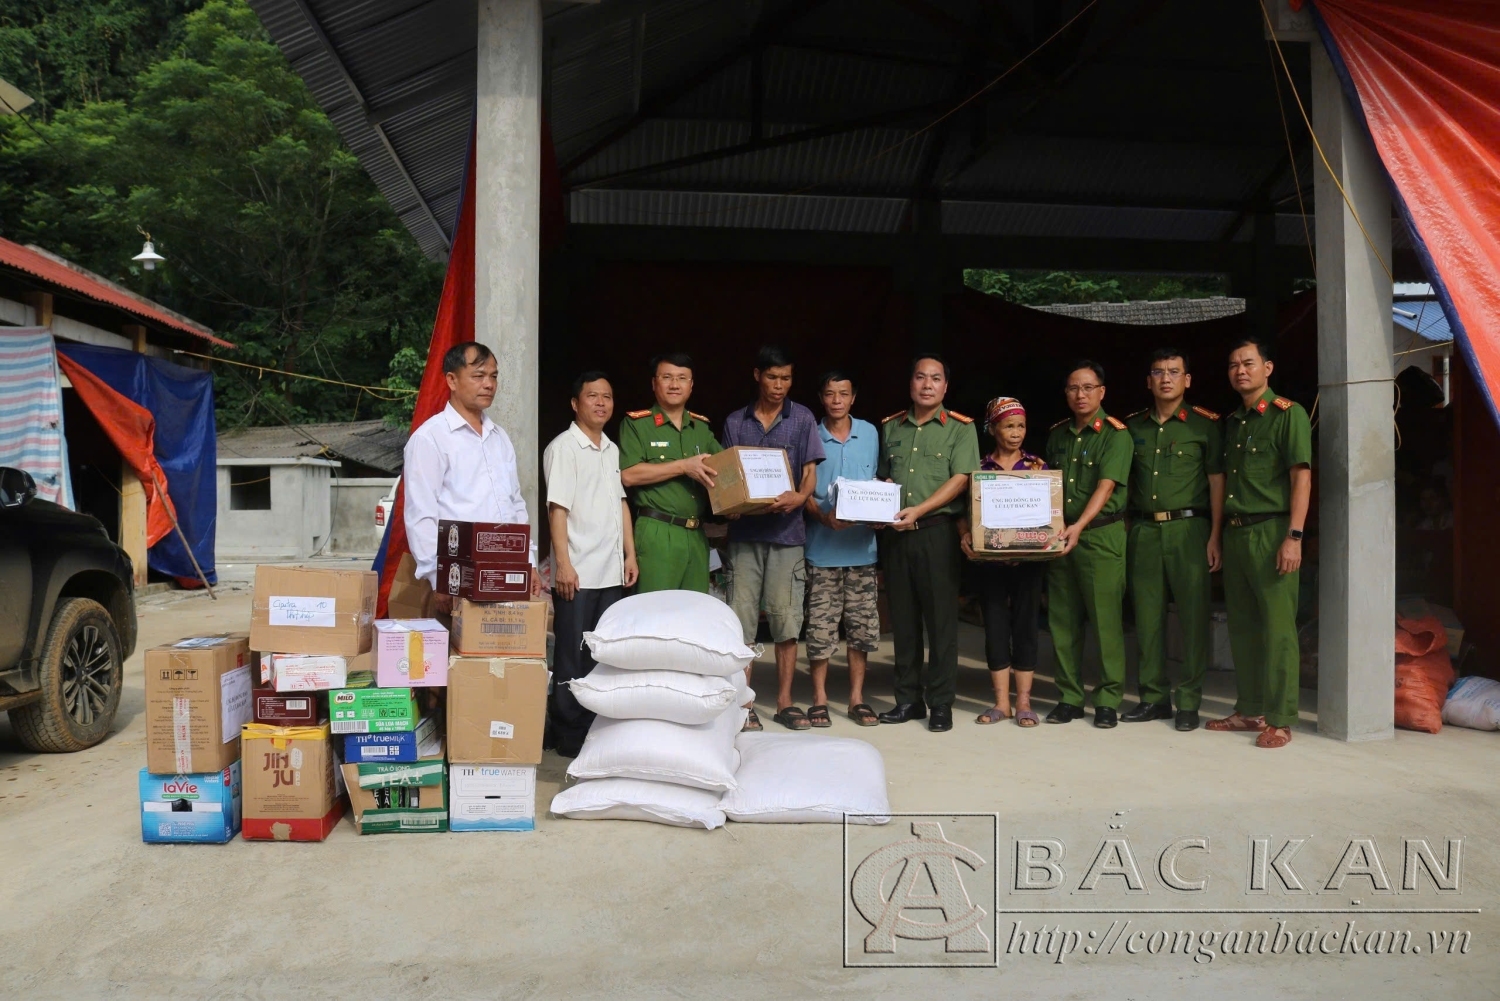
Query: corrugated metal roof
(370,443)
(1143,313)
(1427,319)
(64,274)
(607,206)
(1082,221)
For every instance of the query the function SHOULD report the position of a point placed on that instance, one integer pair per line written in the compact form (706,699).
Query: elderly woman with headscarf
(1010,593)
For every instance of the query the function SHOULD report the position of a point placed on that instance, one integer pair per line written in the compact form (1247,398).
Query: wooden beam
(133,521)
(41,306)
(136,333)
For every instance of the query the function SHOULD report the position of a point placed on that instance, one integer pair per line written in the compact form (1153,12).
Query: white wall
(354,499)
(296,526)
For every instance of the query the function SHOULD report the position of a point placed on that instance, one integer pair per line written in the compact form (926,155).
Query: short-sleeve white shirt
(584,478)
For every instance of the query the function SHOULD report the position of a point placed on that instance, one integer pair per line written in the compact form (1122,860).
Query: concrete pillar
(507,232)
(1356,458)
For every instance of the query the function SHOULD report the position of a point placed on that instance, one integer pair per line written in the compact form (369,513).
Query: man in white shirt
(460,464)
(593,547)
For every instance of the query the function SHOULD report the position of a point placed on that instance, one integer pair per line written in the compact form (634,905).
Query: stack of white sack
(668,693)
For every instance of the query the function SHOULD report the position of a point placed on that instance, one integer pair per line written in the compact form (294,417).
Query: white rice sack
(675,630)
(701,756)
(802,778)
(637,799)
(670,695)
(1474,703)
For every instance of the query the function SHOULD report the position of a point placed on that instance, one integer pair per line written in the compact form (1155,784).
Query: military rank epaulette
(636,415)
(890,417)
(1059,424)
(1116,423)
(1131,417)
(961,418)
(1205,412)
(1283,403)
(697,417)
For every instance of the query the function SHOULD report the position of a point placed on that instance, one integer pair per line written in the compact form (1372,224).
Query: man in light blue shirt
(841,557)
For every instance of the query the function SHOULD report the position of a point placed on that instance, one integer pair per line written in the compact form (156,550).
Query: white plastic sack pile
(670,630)
(1474,703)
(666,695)
(786,778)
(701,756)
(637,799)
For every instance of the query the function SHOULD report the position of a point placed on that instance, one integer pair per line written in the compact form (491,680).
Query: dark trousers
(1009,598)
(568,720)
(922,569)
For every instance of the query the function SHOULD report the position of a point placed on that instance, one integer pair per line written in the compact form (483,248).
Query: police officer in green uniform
(661,463)
(1177,505)
(930,451)
(1268,482)
(1087,583)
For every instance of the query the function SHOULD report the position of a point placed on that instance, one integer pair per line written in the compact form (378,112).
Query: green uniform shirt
(922,457)
(649,436)
(1101,450)
(1173,460)
(1261,445)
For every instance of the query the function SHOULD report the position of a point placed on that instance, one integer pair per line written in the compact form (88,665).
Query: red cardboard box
(483,541)
(484,581)
(289,708)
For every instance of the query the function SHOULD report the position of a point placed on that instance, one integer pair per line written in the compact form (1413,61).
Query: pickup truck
(67,620)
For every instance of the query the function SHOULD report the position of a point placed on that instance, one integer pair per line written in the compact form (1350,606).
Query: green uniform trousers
(1171,557)
(1262,607)
(670,558)
(922,570)
(1088,585)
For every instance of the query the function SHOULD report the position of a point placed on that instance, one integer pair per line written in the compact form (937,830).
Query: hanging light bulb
(148,255)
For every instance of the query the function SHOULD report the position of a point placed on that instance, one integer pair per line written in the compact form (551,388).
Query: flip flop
(1027,718)
(818,716)
(792,718)
(1236,723)
(752,723)
(863,715)
(991,715)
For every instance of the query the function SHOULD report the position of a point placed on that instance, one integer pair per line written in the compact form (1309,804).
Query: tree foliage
(273,234)
(1047,288)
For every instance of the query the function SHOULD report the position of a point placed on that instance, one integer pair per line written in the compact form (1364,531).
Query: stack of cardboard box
(197,696)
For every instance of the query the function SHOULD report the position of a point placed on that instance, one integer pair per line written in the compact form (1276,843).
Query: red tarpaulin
(1426,77)
(132,430)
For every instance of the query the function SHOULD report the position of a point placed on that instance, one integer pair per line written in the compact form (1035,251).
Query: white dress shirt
(452,471)
(584,479)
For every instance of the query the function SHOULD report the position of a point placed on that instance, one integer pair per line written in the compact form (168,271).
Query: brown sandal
(1235,723)
(1274,736)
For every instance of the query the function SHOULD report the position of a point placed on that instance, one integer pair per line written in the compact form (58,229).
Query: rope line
(262,369)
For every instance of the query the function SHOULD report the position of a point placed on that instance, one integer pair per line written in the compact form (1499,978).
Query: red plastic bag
(1424,673)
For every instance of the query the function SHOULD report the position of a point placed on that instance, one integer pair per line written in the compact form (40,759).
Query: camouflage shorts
(841,593)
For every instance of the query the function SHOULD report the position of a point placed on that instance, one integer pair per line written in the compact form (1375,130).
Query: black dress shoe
(1147,711)
(942,719)
(904,711)
(1187,719)
(1105,717)
(1064,713)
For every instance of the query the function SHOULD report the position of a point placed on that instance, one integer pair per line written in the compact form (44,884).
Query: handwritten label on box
(1015,503)
(292,610)
(502,731)
(765,472)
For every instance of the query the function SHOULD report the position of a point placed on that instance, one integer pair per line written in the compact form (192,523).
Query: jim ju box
(749,479)
(313,610)
(197,697)
(1016,514)
(201,808)
(293,791)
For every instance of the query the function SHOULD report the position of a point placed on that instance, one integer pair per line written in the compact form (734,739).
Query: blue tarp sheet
(182,401)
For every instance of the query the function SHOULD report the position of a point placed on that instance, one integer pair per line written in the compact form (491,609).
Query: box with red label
(292,787)
(484,581)
(197,696)
(288,708)
(411,653)
(483,541)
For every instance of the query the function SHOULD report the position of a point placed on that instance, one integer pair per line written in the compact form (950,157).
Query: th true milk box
(405,745)
(198,808)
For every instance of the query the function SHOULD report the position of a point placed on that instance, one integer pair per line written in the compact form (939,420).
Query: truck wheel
(81,673)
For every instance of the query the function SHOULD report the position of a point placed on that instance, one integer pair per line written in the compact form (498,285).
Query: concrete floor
(589,909)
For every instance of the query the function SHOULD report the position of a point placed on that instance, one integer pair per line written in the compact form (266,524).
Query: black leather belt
(671,519)
(1100,521)
(931,521)
(1246,520)
(1186,512)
